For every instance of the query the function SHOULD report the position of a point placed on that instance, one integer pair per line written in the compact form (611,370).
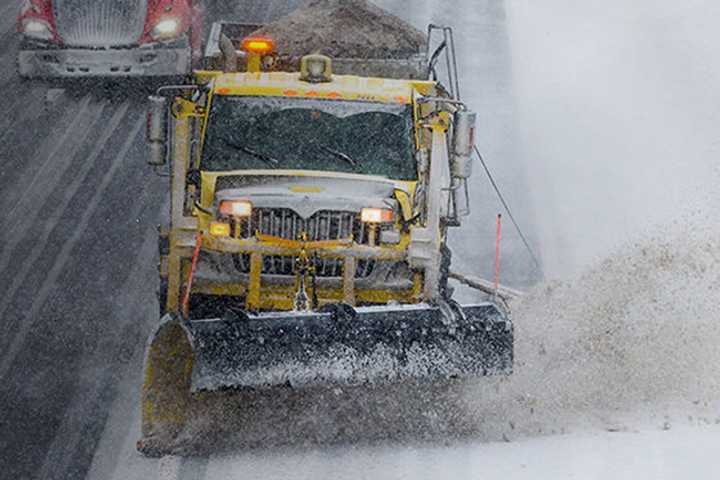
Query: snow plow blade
(188,360)
(343,345)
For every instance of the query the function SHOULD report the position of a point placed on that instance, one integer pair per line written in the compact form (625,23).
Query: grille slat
(324,225)
(100,23)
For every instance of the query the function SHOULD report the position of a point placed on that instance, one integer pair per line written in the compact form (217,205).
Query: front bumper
(153,60)
(391,278)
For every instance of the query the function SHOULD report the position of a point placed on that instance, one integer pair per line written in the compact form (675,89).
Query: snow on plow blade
(343,345)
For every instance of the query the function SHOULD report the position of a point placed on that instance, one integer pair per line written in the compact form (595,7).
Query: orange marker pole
(498,237)
(191,273)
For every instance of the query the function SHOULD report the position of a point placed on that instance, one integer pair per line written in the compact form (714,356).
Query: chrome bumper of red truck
(144,61)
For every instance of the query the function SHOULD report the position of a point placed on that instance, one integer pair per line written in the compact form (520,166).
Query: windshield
(309,134)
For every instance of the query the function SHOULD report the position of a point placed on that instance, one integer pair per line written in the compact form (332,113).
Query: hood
(307,195)
(100,23)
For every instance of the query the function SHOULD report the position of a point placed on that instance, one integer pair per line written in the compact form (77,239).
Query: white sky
(619,110)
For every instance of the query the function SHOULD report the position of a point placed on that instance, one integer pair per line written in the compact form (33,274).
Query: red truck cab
(109,38)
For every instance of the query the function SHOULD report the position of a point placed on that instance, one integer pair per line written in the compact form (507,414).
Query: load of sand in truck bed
(344,29)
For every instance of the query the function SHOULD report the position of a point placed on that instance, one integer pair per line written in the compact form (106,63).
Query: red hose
(191,273)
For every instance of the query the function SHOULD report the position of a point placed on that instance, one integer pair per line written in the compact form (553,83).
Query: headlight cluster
(377,215)
(238,209)
(235,208)
(229,209)
(36,28)
(165,29)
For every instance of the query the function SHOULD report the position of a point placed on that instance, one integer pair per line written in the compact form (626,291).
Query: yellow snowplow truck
(306,244)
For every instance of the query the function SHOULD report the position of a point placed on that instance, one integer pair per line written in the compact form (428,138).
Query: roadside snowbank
(633,340)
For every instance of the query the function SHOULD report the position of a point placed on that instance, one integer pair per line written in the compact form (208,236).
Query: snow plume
(632,340)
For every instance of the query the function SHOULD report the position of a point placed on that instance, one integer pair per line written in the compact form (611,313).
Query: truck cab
(108,38)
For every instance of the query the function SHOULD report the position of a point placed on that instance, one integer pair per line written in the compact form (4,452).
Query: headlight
(166,28)
(36,28)
(376,215)
(235,208)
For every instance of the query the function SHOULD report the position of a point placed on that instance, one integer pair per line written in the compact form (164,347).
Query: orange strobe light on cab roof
(256,48)
(258,45)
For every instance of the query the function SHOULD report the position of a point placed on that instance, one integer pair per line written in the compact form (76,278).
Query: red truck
(109,38)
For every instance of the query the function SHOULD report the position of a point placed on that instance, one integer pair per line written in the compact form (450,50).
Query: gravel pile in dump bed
(344,29)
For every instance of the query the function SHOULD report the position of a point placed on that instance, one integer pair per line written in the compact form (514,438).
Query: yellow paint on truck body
(343,87)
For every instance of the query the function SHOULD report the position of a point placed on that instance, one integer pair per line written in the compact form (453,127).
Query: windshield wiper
(340,155)
(259,155)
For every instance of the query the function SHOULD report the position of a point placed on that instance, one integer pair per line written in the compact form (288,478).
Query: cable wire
(507,207)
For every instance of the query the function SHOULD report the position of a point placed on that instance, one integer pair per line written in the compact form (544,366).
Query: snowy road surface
(689,453)
(650,453)
(77,272)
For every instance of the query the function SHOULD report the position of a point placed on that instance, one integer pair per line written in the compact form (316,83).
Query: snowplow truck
(306,245)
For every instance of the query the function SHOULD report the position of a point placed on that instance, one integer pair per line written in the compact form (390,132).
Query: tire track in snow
(29,135)
(56,269)
(41,180)
(21,228)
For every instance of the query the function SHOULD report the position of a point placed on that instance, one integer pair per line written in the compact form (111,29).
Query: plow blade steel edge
(376,345)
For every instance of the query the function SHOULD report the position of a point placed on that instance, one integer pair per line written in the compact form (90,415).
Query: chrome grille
(100,23)
(323,225)
(285,223)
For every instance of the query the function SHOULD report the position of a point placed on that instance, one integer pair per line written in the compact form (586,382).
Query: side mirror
(463,143)
(157,129)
